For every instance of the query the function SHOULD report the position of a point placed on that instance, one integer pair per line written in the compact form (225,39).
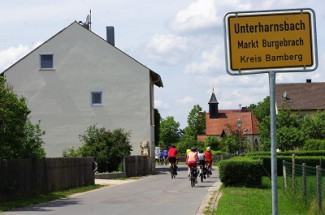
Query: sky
(181,40)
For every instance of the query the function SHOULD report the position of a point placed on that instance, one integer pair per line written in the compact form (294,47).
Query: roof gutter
(156,79)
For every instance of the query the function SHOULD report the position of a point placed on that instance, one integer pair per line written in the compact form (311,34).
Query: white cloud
(11,55)
(186,100)
(198,15)
(168,48)
(160,104)
(211,61)
(37,44)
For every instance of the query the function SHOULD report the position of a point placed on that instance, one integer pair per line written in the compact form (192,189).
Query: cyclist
(187,151)
(172,156)
(165,156)
(161,157)
(201,156)
(192,159)
(208,159)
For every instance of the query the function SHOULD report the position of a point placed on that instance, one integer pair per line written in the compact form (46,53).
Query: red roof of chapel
(227,120)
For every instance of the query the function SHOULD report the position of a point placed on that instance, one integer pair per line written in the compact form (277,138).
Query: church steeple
(213,105)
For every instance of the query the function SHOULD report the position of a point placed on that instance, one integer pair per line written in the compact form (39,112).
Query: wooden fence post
(293,175)
(304,183)
(285,176)
(319,187)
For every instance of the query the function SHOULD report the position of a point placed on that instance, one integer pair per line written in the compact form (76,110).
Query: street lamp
(239,122)
(245,137)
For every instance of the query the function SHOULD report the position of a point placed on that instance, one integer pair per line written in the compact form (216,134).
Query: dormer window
(46,61)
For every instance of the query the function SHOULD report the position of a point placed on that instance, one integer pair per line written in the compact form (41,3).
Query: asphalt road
(155,194)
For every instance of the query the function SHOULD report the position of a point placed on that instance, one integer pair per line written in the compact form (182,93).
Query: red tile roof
(227,121)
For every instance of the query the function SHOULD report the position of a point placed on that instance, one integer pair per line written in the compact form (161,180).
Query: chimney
(110,38)
(308,80)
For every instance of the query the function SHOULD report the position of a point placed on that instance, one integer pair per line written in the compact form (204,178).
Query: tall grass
(242,200)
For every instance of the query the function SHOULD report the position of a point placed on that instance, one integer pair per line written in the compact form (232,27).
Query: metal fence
(305,184)
(27,177)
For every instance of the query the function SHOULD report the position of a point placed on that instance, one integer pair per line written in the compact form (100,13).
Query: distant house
(307,98)
(223,122)
(77,79)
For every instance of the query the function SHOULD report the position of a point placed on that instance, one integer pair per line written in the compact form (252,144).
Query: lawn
(242,200)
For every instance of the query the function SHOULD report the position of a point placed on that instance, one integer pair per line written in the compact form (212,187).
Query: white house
(77,79)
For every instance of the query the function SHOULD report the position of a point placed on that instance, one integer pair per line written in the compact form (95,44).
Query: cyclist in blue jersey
(165,156)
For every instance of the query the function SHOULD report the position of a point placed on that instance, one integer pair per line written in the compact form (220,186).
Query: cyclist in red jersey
(208,159)
(172,155)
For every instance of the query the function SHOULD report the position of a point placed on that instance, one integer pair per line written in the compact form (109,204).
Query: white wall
(61,98)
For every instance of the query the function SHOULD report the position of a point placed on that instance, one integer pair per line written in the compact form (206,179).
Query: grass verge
(242,200)
(41,198)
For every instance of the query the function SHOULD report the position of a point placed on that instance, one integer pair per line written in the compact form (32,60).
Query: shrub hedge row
(241,171)
(309,160)
(289,153)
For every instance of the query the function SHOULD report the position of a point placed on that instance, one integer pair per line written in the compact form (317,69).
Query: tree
(213,142)
(169,131)
(289,133)
(157,127)
(19,138)
(107,147)
(289,138)
(314,125)
(33,143)
(231,143)
(262,109)
(196,121)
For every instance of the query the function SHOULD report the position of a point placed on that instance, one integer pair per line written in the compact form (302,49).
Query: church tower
(213,106)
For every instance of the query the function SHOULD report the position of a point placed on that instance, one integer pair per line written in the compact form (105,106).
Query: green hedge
(314,144)
(241,171)
(309,160)
(289,153)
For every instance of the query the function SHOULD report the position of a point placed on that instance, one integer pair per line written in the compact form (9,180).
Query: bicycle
(208,167)
(193,176)
(203,172)
(161,160)
(173,171)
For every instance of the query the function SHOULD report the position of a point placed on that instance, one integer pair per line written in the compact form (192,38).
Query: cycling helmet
(193,149)
(208,148)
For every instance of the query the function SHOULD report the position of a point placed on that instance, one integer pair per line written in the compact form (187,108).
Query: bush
(299,159)
(289,153)
(241,171)
(19,138)
(213,142)
(314,144)
(107,147)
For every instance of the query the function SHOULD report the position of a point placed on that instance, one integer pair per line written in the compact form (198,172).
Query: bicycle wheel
(171,172)
(192,181)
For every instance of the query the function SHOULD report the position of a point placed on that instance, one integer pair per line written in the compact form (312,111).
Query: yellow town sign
(266,41)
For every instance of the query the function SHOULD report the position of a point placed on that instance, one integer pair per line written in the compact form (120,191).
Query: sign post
(271,42)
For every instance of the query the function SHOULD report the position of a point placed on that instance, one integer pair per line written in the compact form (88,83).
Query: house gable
(305,97)
(61,97)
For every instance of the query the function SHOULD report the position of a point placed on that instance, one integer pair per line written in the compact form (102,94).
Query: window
(47,61)
(96,98)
